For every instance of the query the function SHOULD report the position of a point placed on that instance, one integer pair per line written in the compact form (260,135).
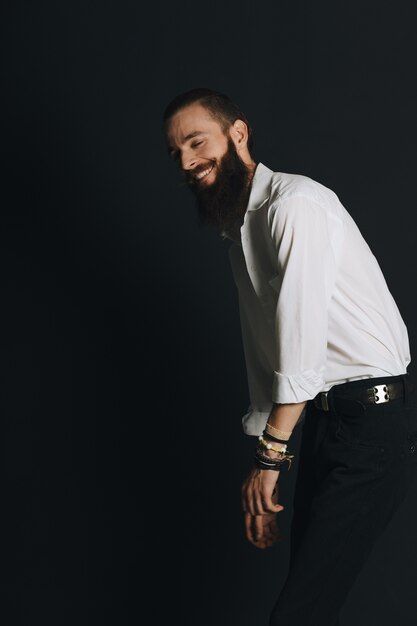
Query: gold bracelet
(275,432)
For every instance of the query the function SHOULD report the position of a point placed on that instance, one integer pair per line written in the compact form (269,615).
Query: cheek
(207,155)
(213,152)
(210,177)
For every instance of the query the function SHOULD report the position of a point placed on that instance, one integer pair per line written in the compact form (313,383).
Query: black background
(122,373)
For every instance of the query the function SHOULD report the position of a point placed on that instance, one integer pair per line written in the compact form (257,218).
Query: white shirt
(315,309)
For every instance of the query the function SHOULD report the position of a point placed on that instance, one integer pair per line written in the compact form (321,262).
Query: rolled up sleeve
(307,269)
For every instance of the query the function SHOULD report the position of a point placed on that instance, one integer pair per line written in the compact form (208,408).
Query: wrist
(284,417)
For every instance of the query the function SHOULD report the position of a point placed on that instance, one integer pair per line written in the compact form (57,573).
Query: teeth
(202,174)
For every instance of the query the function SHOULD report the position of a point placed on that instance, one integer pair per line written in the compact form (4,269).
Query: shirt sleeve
(306,273)
(255,337)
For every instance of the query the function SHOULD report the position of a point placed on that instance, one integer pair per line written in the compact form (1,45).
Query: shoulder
(294,195)
(286,186)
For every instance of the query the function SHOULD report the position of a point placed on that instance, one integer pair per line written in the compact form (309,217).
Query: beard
(223,202)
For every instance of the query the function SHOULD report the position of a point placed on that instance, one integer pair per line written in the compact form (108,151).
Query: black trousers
(355,468)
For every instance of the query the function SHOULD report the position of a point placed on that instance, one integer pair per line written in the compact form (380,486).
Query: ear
(239,134)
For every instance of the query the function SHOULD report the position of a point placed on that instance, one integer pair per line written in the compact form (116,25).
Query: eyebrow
(172,151)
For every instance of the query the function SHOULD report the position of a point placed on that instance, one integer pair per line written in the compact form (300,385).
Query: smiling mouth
(203,174)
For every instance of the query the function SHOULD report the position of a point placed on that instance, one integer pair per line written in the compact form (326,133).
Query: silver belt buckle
(381,394)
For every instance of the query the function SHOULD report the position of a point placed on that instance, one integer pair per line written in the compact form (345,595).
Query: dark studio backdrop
(122,373)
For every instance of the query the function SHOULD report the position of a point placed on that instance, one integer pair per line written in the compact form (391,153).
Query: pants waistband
(366,391)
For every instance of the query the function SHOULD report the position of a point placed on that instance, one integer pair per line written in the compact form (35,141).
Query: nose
(188,162)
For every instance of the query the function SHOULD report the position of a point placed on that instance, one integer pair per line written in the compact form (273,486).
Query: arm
(260,490)
(300,229)
(307,267)
(259,487)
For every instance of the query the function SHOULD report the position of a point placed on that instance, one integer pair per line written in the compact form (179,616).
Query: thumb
(272,507)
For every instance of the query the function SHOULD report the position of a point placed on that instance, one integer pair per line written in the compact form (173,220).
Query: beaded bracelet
(269,446)
(284,456)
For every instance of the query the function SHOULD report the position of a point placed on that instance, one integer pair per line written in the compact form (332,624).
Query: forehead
(191,119)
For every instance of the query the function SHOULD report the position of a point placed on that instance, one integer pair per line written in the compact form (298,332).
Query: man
(325,346)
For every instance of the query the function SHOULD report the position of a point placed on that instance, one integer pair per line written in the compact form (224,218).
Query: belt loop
(330,400)
(406,379)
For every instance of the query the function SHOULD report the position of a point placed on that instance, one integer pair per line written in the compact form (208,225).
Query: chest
(260,255)
(255,265)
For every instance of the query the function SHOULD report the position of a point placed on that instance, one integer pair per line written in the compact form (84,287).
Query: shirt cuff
(254,421)
(297,388)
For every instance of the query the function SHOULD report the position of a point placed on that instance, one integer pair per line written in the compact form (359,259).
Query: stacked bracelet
(263,465)
(265,462)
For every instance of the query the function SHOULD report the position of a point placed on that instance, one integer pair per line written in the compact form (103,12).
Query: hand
(257,492)
(262,530)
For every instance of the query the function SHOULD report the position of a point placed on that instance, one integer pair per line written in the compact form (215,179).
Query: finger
(258,527)
(266,525)
(258,543)
(250,533)
(268,504)
(266,529)
(269,492)
(250,499)
(243,493)
(272,528)
(258,502)
(247,496)
(276,534)
(248,526)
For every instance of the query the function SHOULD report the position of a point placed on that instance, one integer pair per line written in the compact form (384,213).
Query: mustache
(188,175)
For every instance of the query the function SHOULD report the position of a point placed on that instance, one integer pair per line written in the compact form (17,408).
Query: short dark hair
(222,108)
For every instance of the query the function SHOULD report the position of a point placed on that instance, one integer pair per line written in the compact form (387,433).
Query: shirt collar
(260,191)
(261,187)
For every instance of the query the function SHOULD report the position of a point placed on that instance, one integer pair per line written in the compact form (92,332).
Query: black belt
(379,394)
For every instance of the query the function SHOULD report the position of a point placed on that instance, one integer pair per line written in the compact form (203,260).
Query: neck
(252,168)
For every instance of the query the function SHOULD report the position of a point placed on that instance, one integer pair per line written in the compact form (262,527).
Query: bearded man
(325,347)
